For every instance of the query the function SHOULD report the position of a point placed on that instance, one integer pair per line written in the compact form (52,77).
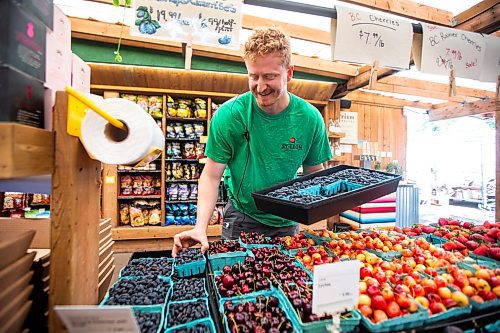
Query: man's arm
(208,191)
(308,169)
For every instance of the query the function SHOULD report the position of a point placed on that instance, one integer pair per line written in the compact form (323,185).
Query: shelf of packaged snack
(185,119)
(135,197)
(149,232)
(182,139)
(336,135)
(193,160)
(26,151)
(138,171)
(180,201)
(181,181)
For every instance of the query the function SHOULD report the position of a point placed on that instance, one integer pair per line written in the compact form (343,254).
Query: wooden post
(75,212)
(497,159)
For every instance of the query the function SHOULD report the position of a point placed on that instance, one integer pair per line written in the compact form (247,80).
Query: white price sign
(335,287)
(491,63)
(211,22)
(109,319)
(373,36)
(444,49)
(349,125)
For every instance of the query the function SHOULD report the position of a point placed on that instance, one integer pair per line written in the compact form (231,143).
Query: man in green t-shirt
(256,140)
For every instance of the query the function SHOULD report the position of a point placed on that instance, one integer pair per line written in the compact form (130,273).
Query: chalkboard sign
(209,22)
(365,36)
(444,49)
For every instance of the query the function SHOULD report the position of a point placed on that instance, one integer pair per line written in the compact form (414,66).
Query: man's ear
(289,73)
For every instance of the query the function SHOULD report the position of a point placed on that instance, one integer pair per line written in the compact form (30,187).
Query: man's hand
(189,238)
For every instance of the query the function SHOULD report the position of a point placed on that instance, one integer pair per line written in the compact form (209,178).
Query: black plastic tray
(319,210)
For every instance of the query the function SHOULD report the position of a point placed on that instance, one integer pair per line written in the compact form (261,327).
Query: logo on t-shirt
(293,145)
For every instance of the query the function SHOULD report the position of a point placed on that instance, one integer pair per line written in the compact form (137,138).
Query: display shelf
(182,139)
(185,119)
(180,201)
(26,151)
(133,233)
(182,181)
(192,160)
(133,197)
(138,171)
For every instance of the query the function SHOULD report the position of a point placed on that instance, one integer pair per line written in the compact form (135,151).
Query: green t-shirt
(278,145)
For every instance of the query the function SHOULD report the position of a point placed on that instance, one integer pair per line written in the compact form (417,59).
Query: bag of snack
(124,214)
(155,106)
(199,130)
(200,108)
(136,217)
(142,101)
(171,107)
(155,216)
(189,150)
(132,98)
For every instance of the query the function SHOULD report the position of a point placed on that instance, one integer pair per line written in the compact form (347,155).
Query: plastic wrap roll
(143,139)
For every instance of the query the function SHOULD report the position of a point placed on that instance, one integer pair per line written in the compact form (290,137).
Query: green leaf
(116,2)
(128,3)
(138,21)
(156,24)
(144,8)
(118,58)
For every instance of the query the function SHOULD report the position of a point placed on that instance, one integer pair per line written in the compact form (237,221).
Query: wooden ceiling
(482,17)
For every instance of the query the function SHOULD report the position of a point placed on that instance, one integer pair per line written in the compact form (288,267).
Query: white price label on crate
(109,319)
(335,287)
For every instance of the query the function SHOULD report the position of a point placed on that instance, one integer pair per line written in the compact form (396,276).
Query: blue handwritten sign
(208,22)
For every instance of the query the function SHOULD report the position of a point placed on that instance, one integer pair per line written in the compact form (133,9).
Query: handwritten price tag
(83,319)
(373,36)
(444,49)
(335,287)
(215,23)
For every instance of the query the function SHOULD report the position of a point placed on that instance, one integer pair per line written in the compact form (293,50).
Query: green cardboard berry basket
(172,304)
(482,261)
(159,276)
(252,298)
(448,314)
(219,260)
(347,323)
(190,268)
(153,309)
(204,288)
(207,322)
(405,322)
(483,258)
(387,256)
(137,306)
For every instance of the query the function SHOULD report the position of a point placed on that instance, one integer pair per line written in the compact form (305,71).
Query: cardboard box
(41,9)
(62,27)
(21,98)
(80,75)
(22,40)
(59,59)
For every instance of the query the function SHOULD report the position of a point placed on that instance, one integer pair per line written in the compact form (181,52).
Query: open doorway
(453,164)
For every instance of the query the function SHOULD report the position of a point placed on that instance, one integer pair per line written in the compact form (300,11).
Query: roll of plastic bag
(142,142)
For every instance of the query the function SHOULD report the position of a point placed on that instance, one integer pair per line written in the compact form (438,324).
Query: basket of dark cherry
(251,240)
(225,252)
(189,262)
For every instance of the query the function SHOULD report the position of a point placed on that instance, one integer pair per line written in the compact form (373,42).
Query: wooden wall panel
(384,125)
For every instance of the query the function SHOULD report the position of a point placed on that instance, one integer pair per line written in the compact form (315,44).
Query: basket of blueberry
(326,193)
(189,262)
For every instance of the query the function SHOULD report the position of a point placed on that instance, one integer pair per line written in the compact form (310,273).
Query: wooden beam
(469,109)
(360,80)
(408,9)
(473,11)
(110,33)
(434,86)
(364,97)
(130,233)
(486,22)
(420,92)
(75,216)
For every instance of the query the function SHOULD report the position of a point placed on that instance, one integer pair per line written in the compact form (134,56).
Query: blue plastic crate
(405,322)
(154,309)
(172,304)
(191,268)
(160,276)
(347,324)
(106,298)
(207,321)
(493,327)
(252,298)
(219,260)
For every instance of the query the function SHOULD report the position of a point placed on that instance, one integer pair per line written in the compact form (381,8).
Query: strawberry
(454,222)
(417,230)
(478,237)
(462,239)
(459,246)
(489,239)
(478,228)
(493,233)
(467,225)
(411,233)
(449,246)
(428,229)
(398,229)
(471,245)
(494,253)
(465,252)
(487,224)
(482,250)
